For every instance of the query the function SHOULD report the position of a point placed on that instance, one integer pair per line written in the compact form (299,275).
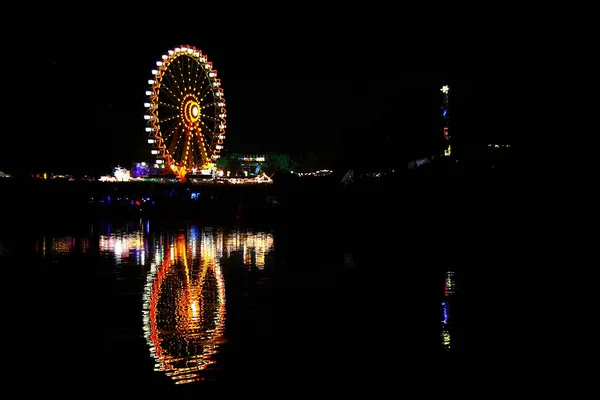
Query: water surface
(143,303)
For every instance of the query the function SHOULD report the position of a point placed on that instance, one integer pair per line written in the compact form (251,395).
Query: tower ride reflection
(449,287)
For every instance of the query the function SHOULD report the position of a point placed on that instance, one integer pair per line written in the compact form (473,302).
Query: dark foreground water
(338,291)
(151,305)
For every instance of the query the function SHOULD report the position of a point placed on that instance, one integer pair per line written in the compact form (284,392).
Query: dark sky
(343,95)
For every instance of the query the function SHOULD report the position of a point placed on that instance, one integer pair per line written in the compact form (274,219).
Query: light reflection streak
(61,245)
(124,245)
(449,289)
(254,246)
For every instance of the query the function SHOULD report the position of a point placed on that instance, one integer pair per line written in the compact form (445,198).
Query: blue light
(194,233)
(445,309)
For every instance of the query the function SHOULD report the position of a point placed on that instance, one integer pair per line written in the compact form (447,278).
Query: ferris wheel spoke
(207,128)
(209,110)
(170,106)
(205,92)
(175,141)
(177,73)
(174,81)
(196,148)
(170,118)
(190,71)
(170,132)
(202,87)
(167,115)
(198,68)
(166,90)
(202,137)
(209,118)
(213,104)
(184,71)
(199,83)
(180,78)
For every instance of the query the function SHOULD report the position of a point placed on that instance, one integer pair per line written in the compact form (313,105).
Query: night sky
(344,96)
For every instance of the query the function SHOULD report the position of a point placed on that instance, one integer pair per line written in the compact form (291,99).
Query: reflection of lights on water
(449,290)
(193,234)
(63,245)
(184,297)
(84,244)
(253,245)
(124,245)
(446,338)
(445,311)
(184,311)
(449,284)
(47,246)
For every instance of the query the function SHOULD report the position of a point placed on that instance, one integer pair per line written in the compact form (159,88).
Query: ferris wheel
(185,112)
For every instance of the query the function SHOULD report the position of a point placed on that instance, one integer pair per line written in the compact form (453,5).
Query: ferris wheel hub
(191,109)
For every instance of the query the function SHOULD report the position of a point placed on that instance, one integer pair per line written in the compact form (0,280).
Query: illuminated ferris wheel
(185,112)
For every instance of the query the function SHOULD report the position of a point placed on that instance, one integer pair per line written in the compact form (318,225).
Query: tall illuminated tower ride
(445,103)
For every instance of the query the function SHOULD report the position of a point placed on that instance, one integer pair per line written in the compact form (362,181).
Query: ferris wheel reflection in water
(184,297)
